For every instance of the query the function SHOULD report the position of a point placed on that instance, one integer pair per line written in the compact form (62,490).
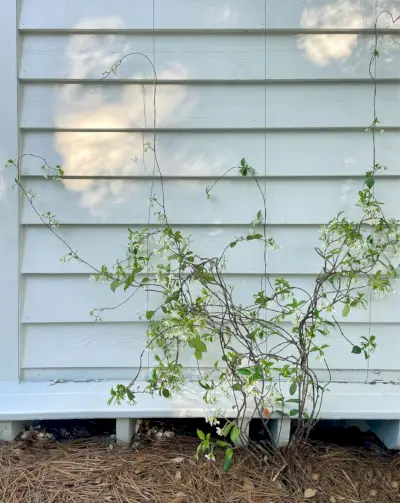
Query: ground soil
(164,470)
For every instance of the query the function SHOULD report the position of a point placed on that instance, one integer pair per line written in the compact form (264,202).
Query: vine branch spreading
(266,347)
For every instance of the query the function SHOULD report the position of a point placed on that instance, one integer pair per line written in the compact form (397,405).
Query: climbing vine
(264,347)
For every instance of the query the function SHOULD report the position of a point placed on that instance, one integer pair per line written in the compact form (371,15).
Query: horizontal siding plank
(90,14)
(120,201)
(211,154)
(194,14)
(90,345)
(122,106)
(123,154)
(99,245)
(205,14)
(216,57)
(328,14)
(54,299)
(179,57)
(335,56)
(289,201)
(96,345)
(287,14)
(201,106)
(59,302)
(113,345)
(339,356)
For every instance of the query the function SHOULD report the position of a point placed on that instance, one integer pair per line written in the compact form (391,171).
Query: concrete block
(125,430)
(10,429)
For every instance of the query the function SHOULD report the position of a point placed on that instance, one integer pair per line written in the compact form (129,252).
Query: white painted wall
(284,84)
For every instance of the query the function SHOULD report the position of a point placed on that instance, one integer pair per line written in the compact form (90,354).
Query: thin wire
(373,76)
(154,156)
(265,158)
(373,188)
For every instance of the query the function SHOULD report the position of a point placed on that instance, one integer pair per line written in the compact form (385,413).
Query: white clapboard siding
(100,245)
(121,106)
(110,345)
(289,201)
(175,57)
(83,345)
(179,154)
(283,84)
(329,56)
(54,299)
(97,345)
(203,14)
(90,14)
(186,154)
(126,14)
(286,14)
(207,57)
(324,15)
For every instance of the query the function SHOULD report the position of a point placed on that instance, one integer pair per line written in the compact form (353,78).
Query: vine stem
(251,372)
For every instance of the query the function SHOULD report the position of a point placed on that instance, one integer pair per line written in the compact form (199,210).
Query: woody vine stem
(265,347)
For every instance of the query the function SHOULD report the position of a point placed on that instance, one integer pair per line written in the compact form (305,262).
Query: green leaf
(294,412)
(149,314)
(293,388)
(228,459)
(166,393)
(204,385)
(222,443)
(227,464)
(244,372)
(233,244)
(369,182)
(226,429)
(115,284)
(198,354)
(200,346)
(293,400)
(356,350)
(237,387)
(129,280)
(346,310)
(201,435)
(235,433)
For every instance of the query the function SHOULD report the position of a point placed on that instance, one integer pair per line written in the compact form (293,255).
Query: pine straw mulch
(165,471)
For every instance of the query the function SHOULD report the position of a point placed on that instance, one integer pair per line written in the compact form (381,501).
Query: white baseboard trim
(88,400)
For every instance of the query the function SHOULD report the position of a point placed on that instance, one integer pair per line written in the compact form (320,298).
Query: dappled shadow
(341,14)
